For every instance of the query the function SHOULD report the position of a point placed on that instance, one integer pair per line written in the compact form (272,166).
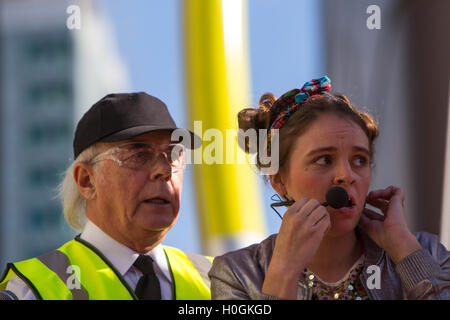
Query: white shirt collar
(120,255)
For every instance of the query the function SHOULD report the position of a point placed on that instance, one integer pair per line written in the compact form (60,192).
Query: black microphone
(337,197)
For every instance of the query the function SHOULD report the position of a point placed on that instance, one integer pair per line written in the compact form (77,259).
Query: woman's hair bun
(266,101)
(251,118)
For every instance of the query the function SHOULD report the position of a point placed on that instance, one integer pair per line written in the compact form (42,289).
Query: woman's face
(333,151)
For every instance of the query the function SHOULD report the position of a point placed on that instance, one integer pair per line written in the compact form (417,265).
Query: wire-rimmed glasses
(136,155)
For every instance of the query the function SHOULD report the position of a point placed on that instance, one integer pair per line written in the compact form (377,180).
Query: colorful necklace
(349,288)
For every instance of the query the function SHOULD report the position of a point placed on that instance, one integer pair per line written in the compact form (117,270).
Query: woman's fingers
(372,215)
(309,215)
(387,193)
(309,207)
(381,193)
(324,223)
(379,203)
(399,195)
(295,207)
(320,215)
(302,208)
(383,199)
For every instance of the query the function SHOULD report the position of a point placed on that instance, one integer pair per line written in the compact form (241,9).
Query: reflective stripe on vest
(79,271)
(54,276)
(8,295)
(190,284)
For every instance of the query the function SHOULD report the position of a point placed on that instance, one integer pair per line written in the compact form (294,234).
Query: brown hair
(296,125)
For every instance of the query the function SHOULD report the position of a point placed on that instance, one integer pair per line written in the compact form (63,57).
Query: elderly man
(123,192)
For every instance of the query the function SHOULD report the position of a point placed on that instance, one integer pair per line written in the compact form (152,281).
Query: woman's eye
(323,160)
(360,161)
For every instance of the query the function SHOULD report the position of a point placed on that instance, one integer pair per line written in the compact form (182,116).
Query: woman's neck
(335,256)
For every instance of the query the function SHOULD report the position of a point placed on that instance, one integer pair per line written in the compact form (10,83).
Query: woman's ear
(277,184)
(84,178)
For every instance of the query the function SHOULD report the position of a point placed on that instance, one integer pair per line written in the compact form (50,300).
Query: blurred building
(49,76)
(401,73)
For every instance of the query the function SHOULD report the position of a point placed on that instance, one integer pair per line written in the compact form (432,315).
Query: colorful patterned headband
(293,99)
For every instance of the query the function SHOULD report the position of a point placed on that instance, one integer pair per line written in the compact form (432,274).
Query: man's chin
(158,221)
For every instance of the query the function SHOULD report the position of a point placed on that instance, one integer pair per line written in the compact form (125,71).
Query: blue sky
(285,51)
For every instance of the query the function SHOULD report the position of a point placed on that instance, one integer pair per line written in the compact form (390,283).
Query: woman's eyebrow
(361,149)
(334,149)
(319,150)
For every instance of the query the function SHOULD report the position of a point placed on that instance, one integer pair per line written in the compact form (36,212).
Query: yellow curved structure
(217,87)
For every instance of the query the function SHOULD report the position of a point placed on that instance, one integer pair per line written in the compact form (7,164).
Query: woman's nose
(344,174)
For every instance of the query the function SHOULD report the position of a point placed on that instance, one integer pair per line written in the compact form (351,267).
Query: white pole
(445,215)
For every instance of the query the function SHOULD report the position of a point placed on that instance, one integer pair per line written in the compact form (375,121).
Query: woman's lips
(347,210)
(350,209)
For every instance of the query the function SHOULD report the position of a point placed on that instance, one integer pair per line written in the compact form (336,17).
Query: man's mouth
(157,200)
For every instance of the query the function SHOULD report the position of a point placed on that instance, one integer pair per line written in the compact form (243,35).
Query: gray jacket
(424,274)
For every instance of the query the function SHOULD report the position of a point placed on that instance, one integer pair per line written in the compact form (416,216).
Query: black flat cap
(121,116)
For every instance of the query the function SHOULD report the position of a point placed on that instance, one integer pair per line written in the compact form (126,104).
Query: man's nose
(161,168)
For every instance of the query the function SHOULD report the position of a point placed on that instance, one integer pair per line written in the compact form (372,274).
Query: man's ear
(83,174)
(277,184)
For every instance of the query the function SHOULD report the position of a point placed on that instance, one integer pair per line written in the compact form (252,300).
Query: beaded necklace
(348,288)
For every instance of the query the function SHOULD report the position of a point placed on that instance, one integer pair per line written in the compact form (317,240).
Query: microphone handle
(290,203)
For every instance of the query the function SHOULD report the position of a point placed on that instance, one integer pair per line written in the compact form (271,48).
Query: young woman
(321,252)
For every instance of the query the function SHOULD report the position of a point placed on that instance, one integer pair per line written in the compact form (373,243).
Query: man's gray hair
(73,202)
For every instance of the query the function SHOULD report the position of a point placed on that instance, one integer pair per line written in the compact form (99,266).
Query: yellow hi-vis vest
(79,271)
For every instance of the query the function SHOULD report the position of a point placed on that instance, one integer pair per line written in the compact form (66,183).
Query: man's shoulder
(199,261)
(189,261)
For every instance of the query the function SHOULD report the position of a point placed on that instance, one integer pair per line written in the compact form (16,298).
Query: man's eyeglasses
(136,155)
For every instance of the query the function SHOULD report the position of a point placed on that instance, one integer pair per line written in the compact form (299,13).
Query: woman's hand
(390,231)
(304,225)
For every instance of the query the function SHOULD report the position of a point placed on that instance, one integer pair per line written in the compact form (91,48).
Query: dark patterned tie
(148,287)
